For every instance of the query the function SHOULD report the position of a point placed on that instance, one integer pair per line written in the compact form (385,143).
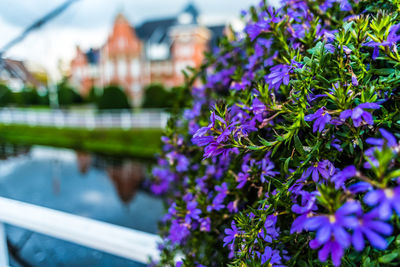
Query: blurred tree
(93,95)
(67,95)
(6,96)
(27,97)
(156,96)
(113,97)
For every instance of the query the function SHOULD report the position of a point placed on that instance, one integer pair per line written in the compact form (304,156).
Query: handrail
(123,119)
(124,242)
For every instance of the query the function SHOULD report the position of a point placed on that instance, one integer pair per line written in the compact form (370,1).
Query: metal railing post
(3,246)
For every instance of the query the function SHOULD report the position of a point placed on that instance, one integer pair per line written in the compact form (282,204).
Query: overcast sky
(88,22)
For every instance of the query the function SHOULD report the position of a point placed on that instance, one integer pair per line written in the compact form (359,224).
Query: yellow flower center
(389,193)
(332,219)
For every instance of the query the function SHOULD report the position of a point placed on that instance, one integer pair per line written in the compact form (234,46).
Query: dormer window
(185,18)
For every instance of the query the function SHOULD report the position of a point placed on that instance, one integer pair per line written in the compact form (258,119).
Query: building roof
(217,32)
(93,56)
(192,10)
(156,31)
(17,69)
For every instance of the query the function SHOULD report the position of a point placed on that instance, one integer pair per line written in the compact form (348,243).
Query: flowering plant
(287,155)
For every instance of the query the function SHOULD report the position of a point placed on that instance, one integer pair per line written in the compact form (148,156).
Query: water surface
(108,189)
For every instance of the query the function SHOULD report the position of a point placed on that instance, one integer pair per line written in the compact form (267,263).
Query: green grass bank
(138,143)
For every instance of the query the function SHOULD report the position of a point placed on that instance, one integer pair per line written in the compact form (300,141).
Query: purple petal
(341,236)
(315,222)
(385,210)
(315,175)
(379,227)
(324,233)
(374,141)
(376,240)
(324,252)
(358,240)
(369,106)
(371,198)
(345,114)
(389,137)
(337,253)
(368,118)
(356,114)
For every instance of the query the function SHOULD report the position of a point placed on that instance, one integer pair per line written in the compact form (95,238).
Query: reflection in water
(125,174)
(126,178)
(103,188)
(84,160)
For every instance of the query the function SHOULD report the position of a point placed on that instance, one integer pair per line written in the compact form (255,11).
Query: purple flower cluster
(245,177)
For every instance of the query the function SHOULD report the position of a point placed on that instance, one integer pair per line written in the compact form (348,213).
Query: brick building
(155,52)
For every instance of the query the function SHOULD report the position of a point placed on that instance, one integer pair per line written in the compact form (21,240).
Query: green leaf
(298,145)
(388,257)
(286,166)
(265,142)
(393,174)
(254,147)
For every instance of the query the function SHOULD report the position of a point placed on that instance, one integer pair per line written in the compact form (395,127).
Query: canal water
(108,189)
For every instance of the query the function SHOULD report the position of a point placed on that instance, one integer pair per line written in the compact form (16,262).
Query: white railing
(128,243)
(124,119)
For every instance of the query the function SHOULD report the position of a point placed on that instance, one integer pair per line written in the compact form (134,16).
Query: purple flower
(177,232)
(385,200)
(391,39)
(266,168)
(331,231)
(299,223)
(333,226)
(358,114)
(271,256)
(378,143)
(242,179)
(205,224)
(341,177)
(388,138)
(324,168)
(308,202)
(336,144)
(345,5)
(321,118)
(269,232)
(279,74)
(192,212)
(360,187)
(331,247)
(182,163)
(370,227)
(231,234)
(354,80)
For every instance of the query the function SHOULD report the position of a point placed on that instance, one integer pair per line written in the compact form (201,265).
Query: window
(122,68)
(135,87)
(135,68)
(109,70)
(185,51)
(182,65)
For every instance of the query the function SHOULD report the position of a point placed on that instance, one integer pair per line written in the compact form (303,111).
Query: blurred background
(85,91)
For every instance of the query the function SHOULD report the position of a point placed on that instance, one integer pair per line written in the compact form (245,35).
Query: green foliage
(113,97)
(67,95)
(157,96)
(28,97)
(349,79)
(6,96)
